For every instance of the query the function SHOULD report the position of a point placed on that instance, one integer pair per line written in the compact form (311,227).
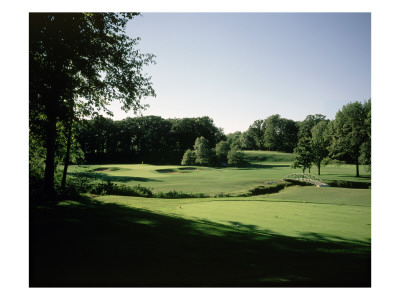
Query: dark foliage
(349,184)
(148,139)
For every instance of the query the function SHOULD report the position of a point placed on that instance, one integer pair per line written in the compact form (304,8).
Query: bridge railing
(305,177)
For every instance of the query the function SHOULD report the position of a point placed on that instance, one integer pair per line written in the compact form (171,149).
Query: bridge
(310,178)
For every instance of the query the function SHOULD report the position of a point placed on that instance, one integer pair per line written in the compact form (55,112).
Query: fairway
(330,213)
(297,211)
(298,236)
(263,166)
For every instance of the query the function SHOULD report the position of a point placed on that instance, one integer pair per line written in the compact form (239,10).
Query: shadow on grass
(91,244)
(107,177)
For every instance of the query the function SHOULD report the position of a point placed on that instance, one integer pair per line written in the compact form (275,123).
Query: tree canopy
(351,133)
(304,155)
(203,151)
(280,134)
(255,135)
(81,60)
(319,143)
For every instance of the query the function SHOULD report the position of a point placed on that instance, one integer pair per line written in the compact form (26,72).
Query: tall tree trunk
(67,155)
(357,170)
(319,169)
(50,155)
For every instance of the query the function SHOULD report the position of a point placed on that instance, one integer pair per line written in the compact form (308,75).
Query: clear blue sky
(240,67)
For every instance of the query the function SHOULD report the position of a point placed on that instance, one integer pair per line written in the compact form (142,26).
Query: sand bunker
(174,171)
(166,171)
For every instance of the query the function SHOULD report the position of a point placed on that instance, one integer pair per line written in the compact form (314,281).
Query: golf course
(222,150)
(298,236)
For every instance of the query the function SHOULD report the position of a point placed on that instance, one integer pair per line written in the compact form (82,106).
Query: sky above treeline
(240,67)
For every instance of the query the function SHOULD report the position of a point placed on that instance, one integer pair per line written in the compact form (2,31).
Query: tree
(365,150)
(236,157)
(234,139)
(152,134)
(203,151)
(304,156)
(73,152)
(186,130)
(221,150)
(85,58)
(350,134)
(319,143)
(189,158)
(309,122)
(280,134)
(255,134)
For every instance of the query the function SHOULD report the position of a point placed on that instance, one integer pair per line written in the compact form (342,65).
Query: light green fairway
(327,213)
(263,166)
(188,179)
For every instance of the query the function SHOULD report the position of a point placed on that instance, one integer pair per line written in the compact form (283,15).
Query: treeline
(315,140)
(197,141)
(273,133)
(152,139)
(149,139)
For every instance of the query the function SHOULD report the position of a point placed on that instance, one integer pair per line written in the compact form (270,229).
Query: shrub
(203,151)
(179,195)
(274,188)
(109,188)
(222,150)
(189,158)
(223,195)
(349,184)
(236,157)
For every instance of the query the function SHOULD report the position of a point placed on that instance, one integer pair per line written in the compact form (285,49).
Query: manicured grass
(135,243)
(335,213)
(301,236)
(270,156)
(263,166)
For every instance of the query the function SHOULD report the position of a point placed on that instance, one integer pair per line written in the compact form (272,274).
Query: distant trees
(351,134)
(346,139)
(202,154)
(235,139)
(365,149)
(236,157)
(308,123)
(274,133)
(315,141)
(147,138)
(312,147)
(280,134)
(222,150)
(255,135)
(319,141)
(304,156)
(185,131)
